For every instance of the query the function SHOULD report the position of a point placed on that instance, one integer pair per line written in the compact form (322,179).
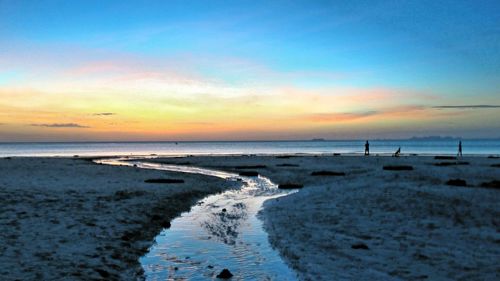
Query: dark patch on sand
(251,167)
(249,173)
(360,246)
(456,182)
(445,157)
(491,184)
(290,185)
(398,168)
(164,181)
(444,164)
(327,173)
(287,165)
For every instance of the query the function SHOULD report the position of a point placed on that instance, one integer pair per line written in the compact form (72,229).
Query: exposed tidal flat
(68,218)
(71,219)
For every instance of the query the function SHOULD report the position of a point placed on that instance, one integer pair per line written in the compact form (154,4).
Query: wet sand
(406,221)
(71,219)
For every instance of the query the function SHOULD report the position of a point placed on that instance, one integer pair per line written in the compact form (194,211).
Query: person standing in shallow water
(367,148)
(459,149)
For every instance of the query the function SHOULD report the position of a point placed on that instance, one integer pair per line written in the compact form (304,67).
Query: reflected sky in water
(221,231)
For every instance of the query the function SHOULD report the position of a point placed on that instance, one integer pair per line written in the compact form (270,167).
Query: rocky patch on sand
(290,186)
(398,168)
(249,174)
(327,173)
(164,181)
(491,184)
(456,182)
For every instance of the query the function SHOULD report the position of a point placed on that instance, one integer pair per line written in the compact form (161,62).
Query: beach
(71,219)
(355,218)
(376,224)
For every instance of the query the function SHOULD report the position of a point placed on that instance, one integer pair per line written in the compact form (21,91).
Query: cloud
(339,117)
(478,106)
(104,114)
(60,125)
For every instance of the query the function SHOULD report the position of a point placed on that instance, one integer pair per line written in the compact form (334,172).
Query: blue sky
(446,49)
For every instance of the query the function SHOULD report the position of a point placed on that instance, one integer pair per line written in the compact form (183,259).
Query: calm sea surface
(470,147)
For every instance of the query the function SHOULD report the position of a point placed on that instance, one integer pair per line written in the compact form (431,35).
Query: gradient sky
(248,70)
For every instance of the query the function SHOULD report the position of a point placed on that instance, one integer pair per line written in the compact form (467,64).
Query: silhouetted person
(398,152)
(367,148)
(459,149)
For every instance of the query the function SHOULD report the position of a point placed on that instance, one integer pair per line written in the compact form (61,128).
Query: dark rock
(360,246)
(398,168)
(287,165)
(456,182)
(103,273)
(8,158)
(224,210)
(290,186)
(285,156)
(450,163)
(336,154)
(327,173)
(210,266)
(445,157)
(491,184)
(225,274)
(249,173)
(251,167)
(164,181)
(493,157)
(495,165)
(166,224)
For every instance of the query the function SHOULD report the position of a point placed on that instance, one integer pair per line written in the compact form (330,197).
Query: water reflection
(221,231)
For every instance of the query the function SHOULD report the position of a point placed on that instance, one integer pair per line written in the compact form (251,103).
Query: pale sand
(74,220)
(413,224)
(71,219)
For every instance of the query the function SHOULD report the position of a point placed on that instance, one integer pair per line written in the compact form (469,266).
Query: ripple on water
(202,242)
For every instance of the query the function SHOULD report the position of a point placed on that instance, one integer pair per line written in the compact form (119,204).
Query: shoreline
(185,155)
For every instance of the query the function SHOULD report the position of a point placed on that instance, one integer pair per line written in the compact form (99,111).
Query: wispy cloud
(339,117)
(60,125)
(104,114)
(475,106)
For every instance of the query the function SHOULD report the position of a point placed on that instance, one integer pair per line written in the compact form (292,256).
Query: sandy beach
(71,219)
(65,218)
(376,224)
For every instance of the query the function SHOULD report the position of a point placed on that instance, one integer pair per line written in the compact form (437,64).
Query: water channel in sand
(221,231)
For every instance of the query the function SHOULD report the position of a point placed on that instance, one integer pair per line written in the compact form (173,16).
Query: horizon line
(304,140)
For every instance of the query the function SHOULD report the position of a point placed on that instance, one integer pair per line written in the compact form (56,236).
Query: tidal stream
(220,231)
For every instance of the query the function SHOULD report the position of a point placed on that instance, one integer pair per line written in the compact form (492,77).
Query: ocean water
(421,147)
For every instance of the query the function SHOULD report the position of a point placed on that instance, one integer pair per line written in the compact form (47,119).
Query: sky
(248,70)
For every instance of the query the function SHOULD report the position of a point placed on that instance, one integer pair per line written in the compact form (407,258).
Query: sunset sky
(248,70)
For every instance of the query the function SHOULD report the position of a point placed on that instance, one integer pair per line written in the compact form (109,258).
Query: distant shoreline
(257,141)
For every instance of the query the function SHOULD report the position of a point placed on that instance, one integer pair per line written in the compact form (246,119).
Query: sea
(350,147)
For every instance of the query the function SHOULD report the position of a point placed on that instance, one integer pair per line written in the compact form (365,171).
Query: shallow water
(424,147)
(221,231)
